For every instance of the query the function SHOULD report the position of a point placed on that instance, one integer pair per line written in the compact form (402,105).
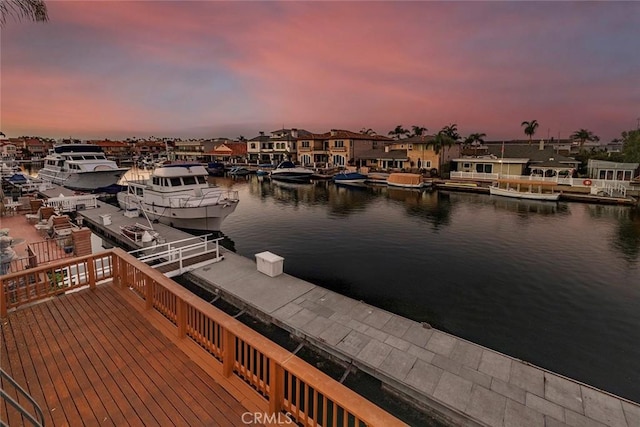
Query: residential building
(189,150)
(612,171)
(281,144)
(229,151)
(513,159)
(114,149)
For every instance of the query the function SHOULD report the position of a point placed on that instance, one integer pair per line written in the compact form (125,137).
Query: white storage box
(270,263)
(106,219)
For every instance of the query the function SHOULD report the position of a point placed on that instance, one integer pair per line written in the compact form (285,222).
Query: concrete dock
(94,219)
(455,380)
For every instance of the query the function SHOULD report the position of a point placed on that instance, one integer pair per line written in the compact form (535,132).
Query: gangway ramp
(181,256)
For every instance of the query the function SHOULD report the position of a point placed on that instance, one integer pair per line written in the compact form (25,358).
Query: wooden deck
(90,358)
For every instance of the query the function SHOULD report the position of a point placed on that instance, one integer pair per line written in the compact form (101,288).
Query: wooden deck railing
(289,384)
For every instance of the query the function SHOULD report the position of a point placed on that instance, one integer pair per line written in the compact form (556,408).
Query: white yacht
(179,195)
(287,171)
(81,167)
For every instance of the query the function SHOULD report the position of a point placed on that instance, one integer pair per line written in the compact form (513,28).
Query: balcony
(130,346)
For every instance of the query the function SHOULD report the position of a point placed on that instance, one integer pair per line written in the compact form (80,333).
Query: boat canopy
(77,148)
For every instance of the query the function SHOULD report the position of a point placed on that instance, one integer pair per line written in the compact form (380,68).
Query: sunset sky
(224,69)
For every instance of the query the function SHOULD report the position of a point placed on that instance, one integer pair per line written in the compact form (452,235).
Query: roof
(531,152)
(604,164)
(347,134)
(229,149)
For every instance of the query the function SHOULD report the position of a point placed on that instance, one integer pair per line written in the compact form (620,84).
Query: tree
(368,131)
(631,147)
(34,10)
(530,128)
(451,130)
(584,135)
(398,132)
(475,139)
(439,142)
(418,131)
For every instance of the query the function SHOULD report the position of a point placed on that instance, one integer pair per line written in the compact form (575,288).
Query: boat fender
(587,182)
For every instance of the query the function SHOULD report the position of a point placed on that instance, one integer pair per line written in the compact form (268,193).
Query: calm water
(557,285)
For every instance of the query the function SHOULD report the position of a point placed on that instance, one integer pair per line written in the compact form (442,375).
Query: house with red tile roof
(230,151)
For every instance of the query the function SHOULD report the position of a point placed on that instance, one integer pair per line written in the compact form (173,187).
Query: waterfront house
(114,149)
(149,148)
(514,160)
(347,148)
(280,145)
(313,149)
(612,171)
(192,149)
(229,151)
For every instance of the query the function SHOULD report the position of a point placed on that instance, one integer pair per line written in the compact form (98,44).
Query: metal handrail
(32,419)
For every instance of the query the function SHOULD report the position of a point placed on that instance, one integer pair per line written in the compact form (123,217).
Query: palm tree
(439,142)
(584,135)
(398,132)
(418,130)
(451,131)
(35,10)
(367,131)
(474,139)
(530,128)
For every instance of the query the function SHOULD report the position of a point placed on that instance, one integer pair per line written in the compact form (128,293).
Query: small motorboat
(349,178)
(239,171)
(287,171)
(215,169)
(139,233)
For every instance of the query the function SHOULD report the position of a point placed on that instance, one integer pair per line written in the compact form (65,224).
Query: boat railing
(289,386)
(73,203)
(206,198)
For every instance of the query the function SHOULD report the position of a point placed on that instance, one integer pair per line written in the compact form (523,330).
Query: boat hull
(206,217)
(83,181)
(350,178)
(515,194)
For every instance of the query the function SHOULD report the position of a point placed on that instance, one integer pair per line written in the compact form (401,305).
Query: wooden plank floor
(89,358)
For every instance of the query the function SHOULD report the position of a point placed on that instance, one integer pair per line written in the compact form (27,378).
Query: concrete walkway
(463,382)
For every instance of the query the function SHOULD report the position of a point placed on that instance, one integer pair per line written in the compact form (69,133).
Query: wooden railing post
(228,352)
(181,317)
(91,266)
(114,262)
(276,387)
(148,291)
(3,300)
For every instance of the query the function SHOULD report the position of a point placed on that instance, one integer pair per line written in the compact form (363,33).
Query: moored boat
(82,167)
(239,171)
(139,233)
(405,180)
(287,171)
(531,190)
(179,195)
(349,178)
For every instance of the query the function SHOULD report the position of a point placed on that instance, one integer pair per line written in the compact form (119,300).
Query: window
(484,168)
(466,166)
(202,179)
(253,145)
(175,182)
(338,160)
(338,144)
(305,144)
(410,146)
(189,180)
(427,163)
